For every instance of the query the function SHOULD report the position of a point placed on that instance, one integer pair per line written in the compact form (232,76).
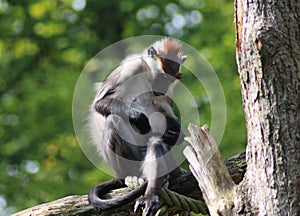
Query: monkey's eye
(152,52)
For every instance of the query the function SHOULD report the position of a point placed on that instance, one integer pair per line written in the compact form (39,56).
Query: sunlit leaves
(24,47)
(39,9)
(48,29)
(73,56)
(176,19)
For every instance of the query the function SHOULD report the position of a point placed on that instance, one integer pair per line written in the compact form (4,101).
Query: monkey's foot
(150,204)
(133,182)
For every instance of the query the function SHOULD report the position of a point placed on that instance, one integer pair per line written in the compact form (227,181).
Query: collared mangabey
(133,125)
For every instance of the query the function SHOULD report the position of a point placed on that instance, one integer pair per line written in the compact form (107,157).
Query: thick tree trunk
(268,58)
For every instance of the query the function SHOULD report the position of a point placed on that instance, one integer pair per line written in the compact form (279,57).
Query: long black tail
(95,200)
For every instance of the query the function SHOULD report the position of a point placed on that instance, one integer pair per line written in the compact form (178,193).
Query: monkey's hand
(173,134)
(139,121)
(150,204)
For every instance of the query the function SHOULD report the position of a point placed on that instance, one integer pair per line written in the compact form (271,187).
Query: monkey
(134,127)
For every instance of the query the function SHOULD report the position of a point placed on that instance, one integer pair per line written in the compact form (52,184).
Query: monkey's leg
(119,145)
(125,158)
(155,169)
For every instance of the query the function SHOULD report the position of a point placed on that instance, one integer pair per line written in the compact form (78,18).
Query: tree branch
(210,171)
(186,184)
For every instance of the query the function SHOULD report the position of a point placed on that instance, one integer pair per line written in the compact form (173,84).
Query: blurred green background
(44,46)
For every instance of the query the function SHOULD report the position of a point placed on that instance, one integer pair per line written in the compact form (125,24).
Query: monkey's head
(168,58)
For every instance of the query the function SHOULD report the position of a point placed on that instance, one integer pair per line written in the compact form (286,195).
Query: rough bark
(185,184)
(268,58)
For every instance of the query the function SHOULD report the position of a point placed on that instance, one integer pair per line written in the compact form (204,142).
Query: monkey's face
(167,55)
(170,73)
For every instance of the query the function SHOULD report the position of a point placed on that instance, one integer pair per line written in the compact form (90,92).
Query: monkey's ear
(152,52)
(183,58)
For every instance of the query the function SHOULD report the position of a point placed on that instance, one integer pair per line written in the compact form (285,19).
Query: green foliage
(44,46)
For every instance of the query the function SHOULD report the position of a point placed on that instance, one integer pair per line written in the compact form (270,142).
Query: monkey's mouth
(178,75)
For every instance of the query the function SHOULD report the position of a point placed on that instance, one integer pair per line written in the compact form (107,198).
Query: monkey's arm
(109,105)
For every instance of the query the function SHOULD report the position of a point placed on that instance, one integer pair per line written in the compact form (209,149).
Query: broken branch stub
(210,171)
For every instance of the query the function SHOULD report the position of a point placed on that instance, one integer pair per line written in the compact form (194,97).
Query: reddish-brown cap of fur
(170,47)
